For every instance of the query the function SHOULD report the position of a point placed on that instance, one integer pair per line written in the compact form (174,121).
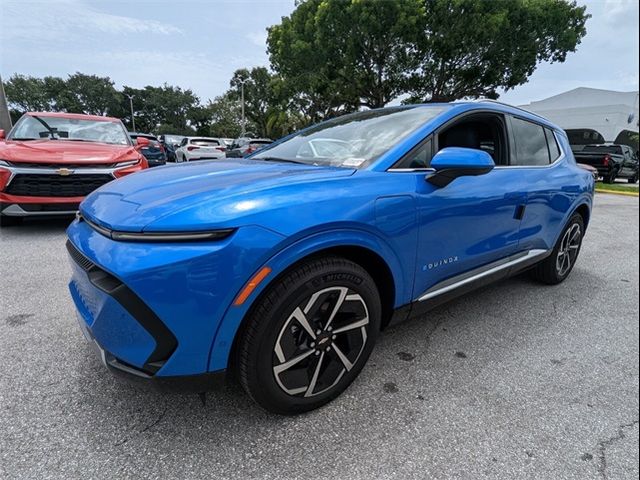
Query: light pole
(133,119)
(5,118)
(242,82)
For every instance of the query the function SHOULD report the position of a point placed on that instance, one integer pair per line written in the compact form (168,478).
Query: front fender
(291,254)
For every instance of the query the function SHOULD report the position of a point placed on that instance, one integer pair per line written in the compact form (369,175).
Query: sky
(198,44)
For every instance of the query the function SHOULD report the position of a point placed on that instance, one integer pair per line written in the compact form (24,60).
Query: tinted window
(616,149)
(418,158)
(554,149)
(204,142)
(531,143)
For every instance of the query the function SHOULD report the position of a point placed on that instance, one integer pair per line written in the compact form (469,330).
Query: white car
(200,148)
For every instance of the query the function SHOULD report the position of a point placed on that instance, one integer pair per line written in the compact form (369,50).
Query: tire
(295,318)
(557,267)
(609,178)
(633,179)
(7,221)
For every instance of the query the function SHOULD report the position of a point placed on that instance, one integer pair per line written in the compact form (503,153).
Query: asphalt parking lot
(514,381)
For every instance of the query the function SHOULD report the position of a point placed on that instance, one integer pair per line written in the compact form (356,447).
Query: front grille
(79,258)
(36,185)
(49,207)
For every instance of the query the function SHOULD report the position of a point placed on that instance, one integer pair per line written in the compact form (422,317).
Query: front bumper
(156,307)
(183,384)
(18,206)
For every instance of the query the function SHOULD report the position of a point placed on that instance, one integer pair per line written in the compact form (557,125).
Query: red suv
(50,161)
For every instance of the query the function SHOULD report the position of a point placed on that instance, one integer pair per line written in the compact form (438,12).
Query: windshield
(353,140)
(32,127)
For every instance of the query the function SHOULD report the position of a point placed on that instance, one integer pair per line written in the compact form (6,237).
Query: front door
(471,222)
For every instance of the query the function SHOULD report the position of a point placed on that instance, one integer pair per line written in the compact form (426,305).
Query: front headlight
(158,236)
(127,163)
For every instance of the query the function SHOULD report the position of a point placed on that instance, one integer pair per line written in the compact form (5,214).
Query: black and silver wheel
(309,336)
(557,267)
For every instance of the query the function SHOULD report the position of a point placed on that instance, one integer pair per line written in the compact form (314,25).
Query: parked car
(284,267)
(50,161)
(171,143)
(612,161)
(154,152)
(200,148)
(242,147)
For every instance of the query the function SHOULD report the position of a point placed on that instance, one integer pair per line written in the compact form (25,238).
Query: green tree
(339,55)
(89,94)
(224,113)
(261,95)
(474,48)
(166,106)
(29,94)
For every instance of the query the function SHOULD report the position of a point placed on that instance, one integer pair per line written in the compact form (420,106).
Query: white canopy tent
(584,111)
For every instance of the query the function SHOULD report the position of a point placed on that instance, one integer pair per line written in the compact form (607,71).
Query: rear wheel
(609,178)
(633,179)
(309,336)
(557,267)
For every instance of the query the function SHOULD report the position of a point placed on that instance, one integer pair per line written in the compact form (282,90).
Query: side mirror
(453,162)
(2,135)
(142,142)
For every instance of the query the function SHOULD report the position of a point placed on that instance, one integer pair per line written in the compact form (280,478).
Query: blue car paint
(284,213)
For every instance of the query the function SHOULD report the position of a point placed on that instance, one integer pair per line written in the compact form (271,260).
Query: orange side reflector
(251,286)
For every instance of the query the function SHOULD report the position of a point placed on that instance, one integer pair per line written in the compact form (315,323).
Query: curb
(616,192)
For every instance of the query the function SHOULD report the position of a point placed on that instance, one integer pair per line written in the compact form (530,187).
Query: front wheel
(557,267)
(309,335)
(633,179)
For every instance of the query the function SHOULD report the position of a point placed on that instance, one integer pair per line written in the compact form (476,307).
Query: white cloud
(258,38)
(70,20)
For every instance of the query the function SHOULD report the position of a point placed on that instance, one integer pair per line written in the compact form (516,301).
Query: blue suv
(283,267)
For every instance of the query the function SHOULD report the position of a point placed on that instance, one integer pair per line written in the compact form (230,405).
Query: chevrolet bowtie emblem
(64,172)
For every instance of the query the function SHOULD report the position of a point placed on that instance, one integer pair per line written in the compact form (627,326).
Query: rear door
(541,169)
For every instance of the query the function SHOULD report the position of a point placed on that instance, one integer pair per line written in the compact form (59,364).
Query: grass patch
(616,187)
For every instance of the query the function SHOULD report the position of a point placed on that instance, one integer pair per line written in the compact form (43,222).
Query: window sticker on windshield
(353,162)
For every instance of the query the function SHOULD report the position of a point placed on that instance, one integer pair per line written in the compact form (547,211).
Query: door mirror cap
(2,134)
(453,162)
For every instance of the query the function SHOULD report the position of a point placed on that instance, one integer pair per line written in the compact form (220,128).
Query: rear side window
(531,143)
(554,148)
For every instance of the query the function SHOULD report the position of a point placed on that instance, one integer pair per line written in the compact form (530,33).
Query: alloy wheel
(568,251)
(320,341)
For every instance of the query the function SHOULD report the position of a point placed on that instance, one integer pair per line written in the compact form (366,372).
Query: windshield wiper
(23,139)
(278,159)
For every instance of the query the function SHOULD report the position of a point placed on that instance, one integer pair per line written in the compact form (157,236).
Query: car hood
(61,151)
(201,195)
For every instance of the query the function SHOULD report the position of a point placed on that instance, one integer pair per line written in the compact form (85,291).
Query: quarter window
(531,143)
(554,148)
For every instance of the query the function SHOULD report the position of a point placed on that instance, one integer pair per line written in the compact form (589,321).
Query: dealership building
(591,115)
